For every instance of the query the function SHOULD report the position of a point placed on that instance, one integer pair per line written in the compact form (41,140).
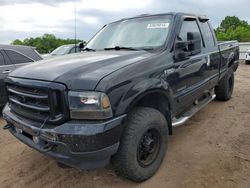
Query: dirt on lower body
(210,150)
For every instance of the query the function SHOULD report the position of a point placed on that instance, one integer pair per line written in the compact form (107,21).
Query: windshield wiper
(89,49)
(147,48)
(120,48)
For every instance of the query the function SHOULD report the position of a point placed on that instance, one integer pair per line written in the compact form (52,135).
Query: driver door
(191,82)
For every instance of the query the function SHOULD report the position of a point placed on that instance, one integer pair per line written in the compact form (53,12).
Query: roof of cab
(202,17)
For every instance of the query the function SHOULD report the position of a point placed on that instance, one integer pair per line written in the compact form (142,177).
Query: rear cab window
(207,34)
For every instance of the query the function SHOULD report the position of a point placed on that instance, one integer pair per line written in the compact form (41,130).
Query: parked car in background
(65,49)
(12,57)
(248,56)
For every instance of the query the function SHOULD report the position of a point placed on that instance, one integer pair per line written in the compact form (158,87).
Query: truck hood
(81,71)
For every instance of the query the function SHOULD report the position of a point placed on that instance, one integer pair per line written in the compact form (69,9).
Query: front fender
(141,89)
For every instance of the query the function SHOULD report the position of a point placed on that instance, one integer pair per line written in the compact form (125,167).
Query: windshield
(62,50)
(138,33)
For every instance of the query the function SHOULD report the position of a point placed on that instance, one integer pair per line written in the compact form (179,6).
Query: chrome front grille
(32,99)
(41,102)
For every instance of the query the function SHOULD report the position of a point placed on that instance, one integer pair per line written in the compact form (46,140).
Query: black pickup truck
(119,99)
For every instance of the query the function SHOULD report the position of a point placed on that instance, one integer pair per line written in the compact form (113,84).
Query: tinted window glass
(61,50)
(17,58)
(208,35)
(1,59)
(73,50)
(141,33)
(188,26)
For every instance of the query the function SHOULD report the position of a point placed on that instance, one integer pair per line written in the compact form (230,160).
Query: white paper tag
(157,25)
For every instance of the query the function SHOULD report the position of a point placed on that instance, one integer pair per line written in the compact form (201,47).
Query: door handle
(208,61)
(6,72)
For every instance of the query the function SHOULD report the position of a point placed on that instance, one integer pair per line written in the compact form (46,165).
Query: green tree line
(232,28)
(46,43)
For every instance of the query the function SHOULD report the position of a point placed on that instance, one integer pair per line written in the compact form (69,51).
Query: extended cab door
(192,71)
(5,68)
(211,50)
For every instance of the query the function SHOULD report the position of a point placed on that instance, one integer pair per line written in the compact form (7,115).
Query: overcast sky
(30,18)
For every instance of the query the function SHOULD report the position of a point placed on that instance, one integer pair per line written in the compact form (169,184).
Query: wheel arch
(156,98)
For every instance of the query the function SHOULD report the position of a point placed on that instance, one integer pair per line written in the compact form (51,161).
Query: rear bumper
(247,57)
(79,144)
(247,60)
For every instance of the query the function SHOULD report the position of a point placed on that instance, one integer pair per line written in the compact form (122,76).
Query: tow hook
(8,126)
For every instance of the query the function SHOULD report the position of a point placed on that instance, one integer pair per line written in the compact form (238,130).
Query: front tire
(224,89)
(143,145)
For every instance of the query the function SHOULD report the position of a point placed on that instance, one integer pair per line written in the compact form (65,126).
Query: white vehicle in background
(65,49)
(248,56)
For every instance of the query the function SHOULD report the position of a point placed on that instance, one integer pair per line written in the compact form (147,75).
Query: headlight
(89,105)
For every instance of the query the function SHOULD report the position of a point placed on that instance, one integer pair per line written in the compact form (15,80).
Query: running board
(187,115)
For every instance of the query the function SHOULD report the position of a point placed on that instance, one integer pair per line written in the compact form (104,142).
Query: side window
(188,26)
(208,35)
(17,58)
(73,50)
(1,59)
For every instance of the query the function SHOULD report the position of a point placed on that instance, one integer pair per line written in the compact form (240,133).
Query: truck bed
(223,45)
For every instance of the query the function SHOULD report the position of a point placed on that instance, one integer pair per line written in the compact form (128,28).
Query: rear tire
(224,89)
(143,145)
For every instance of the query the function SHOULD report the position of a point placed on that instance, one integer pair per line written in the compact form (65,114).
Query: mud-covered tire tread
(221,90)
(123,163)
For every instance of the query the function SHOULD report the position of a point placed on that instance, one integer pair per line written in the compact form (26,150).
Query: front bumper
(79,144)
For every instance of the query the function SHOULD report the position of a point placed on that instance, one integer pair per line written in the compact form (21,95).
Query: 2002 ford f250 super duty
(119,99)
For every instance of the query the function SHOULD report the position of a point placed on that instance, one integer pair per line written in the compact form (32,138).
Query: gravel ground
(210,150)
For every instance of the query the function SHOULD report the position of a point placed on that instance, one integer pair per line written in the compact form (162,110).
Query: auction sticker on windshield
(157,25)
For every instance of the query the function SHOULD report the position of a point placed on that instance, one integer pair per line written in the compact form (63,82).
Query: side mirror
(184,49)
(81,46)
(195,42)
(180,50)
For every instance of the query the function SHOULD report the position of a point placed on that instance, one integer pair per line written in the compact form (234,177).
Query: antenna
(75,26)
